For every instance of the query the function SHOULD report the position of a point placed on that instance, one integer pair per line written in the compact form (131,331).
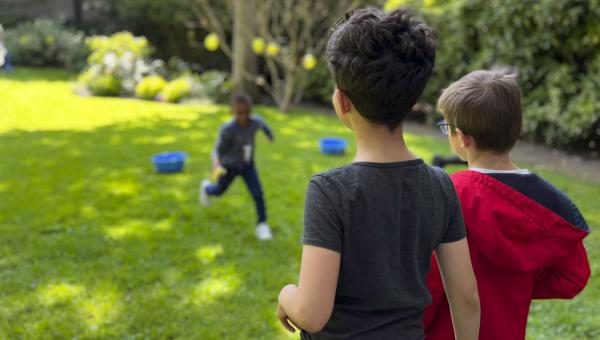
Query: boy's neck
(376,144)
(490,160)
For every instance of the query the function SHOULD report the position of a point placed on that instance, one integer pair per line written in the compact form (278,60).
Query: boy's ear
(465,140)
(343,102)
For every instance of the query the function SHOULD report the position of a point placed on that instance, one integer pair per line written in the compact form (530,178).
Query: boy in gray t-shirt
(233,156)
(370,227)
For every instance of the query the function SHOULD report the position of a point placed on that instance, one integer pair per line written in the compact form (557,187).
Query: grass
(95,245)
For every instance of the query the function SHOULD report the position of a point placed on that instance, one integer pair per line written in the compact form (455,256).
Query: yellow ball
(309,61)
(211,42)
(272,49)
(258,45)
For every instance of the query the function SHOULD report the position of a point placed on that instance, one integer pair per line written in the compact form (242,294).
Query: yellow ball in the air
(309,61)
(272,49)
(211,42)
(258,45)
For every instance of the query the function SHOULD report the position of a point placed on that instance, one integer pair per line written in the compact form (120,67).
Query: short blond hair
(487,106)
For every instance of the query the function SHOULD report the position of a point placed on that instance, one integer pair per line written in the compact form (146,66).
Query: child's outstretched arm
(460,285)
(265,127)
(309,305)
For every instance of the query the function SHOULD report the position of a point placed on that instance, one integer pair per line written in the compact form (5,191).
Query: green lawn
(95,245)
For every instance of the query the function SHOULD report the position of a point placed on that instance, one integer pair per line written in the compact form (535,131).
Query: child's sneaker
(203,197)
(263,232)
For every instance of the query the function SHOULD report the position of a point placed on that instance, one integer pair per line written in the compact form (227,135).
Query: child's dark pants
(250,176)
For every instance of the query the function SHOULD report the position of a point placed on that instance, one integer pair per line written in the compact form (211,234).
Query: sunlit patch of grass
(138,228)
(101,308)
(220,283)
(59,293)
(122,188)
(208,254)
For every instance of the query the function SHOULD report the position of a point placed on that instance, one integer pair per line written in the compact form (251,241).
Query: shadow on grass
(38,74)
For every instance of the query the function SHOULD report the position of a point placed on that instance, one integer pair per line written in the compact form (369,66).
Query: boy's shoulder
(529,184)
(351,175)
(227,126)
(331,177)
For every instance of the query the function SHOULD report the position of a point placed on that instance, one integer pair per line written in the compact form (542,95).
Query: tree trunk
(243,61)
(78,13)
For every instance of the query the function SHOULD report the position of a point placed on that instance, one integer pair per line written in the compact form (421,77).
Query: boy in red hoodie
(525,236)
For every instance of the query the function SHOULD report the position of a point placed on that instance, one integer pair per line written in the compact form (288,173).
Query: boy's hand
(283,318)
(215,163)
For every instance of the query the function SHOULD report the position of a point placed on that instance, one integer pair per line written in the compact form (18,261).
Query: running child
(233,156)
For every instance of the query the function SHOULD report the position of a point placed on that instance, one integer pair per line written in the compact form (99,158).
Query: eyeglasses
(445,126)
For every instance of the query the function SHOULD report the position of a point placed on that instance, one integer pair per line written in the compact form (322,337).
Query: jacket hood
(510,229)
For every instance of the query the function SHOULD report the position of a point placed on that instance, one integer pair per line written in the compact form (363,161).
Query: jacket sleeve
(436,289)
(564,279)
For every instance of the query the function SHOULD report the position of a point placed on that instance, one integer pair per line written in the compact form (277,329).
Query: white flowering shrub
(117,64)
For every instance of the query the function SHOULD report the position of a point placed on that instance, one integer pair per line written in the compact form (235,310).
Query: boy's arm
(564,279)
(461,288)
(267,130)
(436,289)
(265,127)
(309,305)
(221,146)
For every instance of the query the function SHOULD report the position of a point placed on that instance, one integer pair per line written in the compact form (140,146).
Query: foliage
(121,58)
(553,45)
(177,90)
(44,42)
(214,85)
(319,84)
(96,246)
(284,42)
(165,24)
(150,87)
(121,45)
(105,85)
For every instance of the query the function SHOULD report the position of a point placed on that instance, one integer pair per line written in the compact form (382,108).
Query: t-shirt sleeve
(322,223)
(456,225)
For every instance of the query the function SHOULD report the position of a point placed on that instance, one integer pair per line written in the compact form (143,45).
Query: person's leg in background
(8,63)
(263,232)
(208,189)
(443,161)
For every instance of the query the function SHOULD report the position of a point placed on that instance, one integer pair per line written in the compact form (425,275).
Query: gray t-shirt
(385,219)
(235,145)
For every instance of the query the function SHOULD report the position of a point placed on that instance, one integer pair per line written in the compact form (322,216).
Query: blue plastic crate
(169,162)
(333,146)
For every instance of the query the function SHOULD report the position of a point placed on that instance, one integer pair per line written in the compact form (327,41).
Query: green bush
(150,87)
(214,85)
(120,45)
(319,83)
(122,56)
(45,42)
(177,90)
(105,85)
(165,23)
(553,45)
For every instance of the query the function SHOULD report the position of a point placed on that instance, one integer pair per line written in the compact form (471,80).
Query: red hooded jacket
(520,251)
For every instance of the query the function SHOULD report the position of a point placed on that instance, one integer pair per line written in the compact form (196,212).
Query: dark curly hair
(382,62)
